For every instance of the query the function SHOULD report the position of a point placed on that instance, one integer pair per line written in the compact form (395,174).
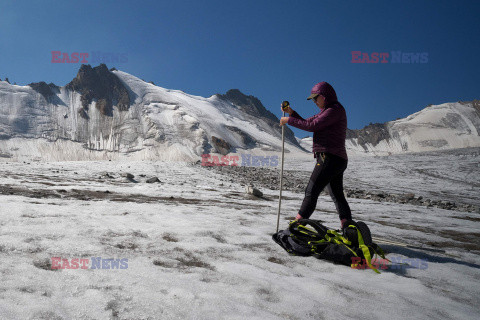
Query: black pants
(328,173)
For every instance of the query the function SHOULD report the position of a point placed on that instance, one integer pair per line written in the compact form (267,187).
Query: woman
(329,129)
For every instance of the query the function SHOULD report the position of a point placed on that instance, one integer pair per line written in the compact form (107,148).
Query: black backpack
(353,247)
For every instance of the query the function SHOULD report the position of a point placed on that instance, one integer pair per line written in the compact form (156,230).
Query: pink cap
(325,89)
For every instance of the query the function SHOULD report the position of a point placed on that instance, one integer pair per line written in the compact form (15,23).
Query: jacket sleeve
(296,115)
(317,122)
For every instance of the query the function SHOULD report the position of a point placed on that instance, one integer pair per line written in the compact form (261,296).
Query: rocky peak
(253,106)
(250,104)
(101,85)
(46,90)
(475,104)
(373,133)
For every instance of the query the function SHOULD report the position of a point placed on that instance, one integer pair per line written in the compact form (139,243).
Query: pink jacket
(329,129)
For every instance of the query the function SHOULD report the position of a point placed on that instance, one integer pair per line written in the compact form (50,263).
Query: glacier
(79,121)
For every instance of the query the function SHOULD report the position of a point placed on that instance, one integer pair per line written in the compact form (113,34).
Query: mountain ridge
(110,111)
(102,113)
(436,127)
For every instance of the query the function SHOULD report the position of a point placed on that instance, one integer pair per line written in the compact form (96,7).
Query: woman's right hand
(287,110)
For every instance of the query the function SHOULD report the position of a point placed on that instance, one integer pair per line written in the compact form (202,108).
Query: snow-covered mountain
(437,127)
(108,114)
(105,114)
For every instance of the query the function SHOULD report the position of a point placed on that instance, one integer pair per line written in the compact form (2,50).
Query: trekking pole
(285,104)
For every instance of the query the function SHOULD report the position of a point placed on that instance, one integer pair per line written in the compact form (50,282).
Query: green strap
(333,236)
(339,237)
(350,250)
(366,252)
(318,241)
(380,252)
(314,244)
(308,231)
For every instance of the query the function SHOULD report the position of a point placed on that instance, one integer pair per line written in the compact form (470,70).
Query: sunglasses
(315,98)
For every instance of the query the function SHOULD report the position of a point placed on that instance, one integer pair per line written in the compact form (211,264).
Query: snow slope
(436,127)
(158,124)
(169,109)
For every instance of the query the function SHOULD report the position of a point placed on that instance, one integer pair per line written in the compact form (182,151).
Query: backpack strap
(378,251)
(365,250)
(333,236)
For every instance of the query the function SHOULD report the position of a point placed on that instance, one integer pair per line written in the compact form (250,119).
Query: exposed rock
(296,181)
(247,140)
(410,196)
(221,145)
(101,85)
(373,134)
(129,176)
(44,89)
(253,106)
(475,103)
(43,263)
(153,180)
(253,191)
(83,113)
(106,175)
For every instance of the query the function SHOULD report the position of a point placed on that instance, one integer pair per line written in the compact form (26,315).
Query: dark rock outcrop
(46,90)
(475,103)
(247,140)
(253,106)
(153,180)
(250,189)
(221,146)
(373,134)
(101,85)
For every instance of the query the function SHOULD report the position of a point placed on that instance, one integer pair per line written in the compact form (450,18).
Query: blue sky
(274,50)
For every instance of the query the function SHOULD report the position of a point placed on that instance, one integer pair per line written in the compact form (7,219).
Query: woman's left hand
(283,121)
